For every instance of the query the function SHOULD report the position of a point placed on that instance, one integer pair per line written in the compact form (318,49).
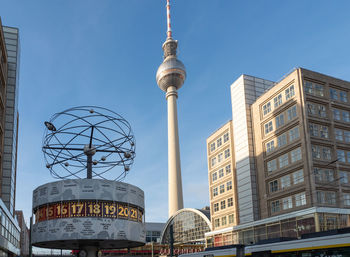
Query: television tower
(171,75)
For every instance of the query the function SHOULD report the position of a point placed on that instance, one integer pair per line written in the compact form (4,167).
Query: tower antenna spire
(168,19)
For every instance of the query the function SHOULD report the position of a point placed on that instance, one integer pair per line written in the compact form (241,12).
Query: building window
(222,188)
(322,111)
(298,176)
(311,109)
(333,94)
(300,199)
(221,173)
(313,130)
(291,113)
(213,161)
(217,223)
(316,152)
(228,169)
(219,142)
(338,134)
(283,160)
(313,88)
(230,202)
(215,176)
(343,177)
(277,100)
(215,191)
(267,108)
(343,96)
(285,181)
(341,155)
(347,136)
(346,199)
(308,87)
(279,121)
(287,203)
(226,137)
(289,92)
(271,165)
(216,207)
(293,134)
(326,153)
(281,140)
(336,114)
(230,219)
(223,205)
(268,127)
(326,197)
(345,116)
(228,185)
(323,131)
(270,146)
(212,147)
(275,206)
(273,186)
(223,221)
(295,155)
(318,90)
(227,153)
(220,157)
(323,175)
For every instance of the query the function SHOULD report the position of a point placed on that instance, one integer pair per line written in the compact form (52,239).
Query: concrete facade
(291,156)
(24,242)
(222,177)
(308,163)
(244,91)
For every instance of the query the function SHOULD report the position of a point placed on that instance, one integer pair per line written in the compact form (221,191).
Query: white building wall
(244,91)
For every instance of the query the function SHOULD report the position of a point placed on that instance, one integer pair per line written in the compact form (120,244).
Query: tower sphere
(171,72)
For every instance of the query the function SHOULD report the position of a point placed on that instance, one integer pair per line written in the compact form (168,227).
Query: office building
(10,230)
(153,231)
(9,158)
(298,170)
(24,242)
(222,182)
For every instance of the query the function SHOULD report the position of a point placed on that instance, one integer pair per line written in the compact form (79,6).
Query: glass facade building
(9,159)
(9,54)
(189,227)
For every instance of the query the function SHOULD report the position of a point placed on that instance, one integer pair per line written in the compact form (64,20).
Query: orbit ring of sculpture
(88,140)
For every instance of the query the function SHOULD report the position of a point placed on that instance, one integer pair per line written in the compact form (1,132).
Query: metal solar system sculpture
(87,142)
(89,208)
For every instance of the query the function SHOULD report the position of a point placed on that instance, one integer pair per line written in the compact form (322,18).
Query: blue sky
(106,53)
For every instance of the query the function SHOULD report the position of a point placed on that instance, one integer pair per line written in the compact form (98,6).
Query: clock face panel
(86,208)
(70,214)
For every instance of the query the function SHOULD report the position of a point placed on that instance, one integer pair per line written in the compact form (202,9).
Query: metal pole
(89,155)
(171,240)
(89,166)
(152,248)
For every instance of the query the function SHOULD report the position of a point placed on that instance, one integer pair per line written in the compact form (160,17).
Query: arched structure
(189,226)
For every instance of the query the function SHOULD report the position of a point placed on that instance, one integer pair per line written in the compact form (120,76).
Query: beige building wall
(302,133)
(221,175)
(294,137)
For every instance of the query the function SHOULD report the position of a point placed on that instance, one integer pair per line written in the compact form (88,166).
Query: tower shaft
(171,75)
(175,196)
